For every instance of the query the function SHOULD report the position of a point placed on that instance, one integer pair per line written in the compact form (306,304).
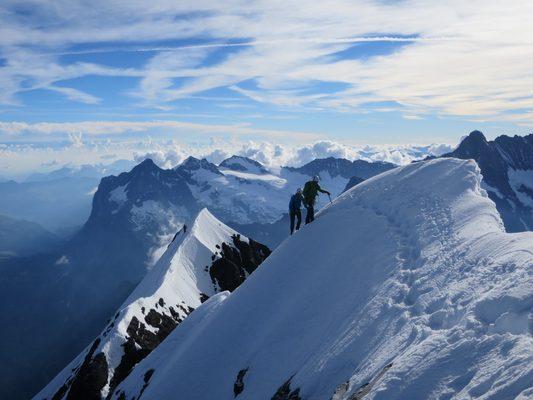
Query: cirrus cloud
(458,58)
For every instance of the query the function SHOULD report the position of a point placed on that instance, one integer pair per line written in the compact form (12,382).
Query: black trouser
(298,215)
(310,214)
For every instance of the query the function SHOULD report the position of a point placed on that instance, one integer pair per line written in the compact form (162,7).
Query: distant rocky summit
(506,164)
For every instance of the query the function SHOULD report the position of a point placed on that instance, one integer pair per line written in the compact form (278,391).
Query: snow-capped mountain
(134,217)
(343,168)
(243,164)
(202,260)
(406,287)
(241,190)
(148,204)
(507,167)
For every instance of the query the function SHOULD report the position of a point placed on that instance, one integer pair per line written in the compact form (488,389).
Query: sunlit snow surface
(411,267)
(179,278)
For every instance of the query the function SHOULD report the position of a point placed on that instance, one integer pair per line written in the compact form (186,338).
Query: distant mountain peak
(475,138)
(202,260)
(506,165)
(343,167)
(147,165)
(191,164)
(478,135)
(243,164)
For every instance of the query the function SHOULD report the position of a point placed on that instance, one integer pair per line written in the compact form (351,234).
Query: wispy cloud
(458,58)
(109,128)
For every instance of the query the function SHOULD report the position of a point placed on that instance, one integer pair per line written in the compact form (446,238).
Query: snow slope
(201,261)
(407,287)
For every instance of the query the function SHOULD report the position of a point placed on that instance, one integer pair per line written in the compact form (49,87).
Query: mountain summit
(202,260)
(243,164)
(507,168)
(406,287)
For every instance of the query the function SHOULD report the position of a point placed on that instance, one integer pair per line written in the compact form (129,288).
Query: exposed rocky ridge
(506,164)
(191,164)
(237,260)
(167,295)
(243,164)
(342,167)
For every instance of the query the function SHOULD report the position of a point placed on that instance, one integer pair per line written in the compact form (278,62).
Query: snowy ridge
(243,164)
(406,287)
(197,264)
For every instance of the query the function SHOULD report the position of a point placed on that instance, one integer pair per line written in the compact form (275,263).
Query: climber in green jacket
(310,192)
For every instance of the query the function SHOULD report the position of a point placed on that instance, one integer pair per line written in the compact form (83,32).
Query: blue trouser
(295,214)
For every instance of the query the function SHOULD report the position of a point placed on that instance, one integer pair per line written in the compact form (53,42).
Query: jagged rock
(230,270)
(503,163)
(243,164)
(341,167)
(285,393)
(146,379)
(89,380)
(142,341)
(238,386)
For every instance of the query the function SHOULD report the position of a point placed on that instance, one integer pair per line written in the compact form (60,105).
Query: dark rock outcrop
(354,180)
(284,392)
(89,380)
(238,386)
(243,164)
(498,160)
(235,262)
(142,341)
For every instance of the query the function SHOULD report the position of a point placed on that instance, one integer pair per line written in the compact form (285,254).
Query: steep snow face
(406,287)
(507,168)
(202,260)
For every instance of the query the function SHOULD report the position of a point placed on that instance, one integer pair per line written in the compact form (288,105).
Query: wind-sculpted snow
(198,264)
(406,287)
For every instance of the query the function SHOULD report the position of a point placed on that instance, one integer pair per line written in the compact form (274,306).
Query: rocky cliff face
(506,164)
(344,168)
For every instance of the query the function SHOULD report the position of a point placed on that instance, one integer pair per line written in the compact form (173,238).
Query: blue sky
(83,80)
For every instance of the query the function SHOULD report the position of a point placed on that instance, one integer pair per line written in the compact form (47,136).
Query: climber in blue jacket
(295,211)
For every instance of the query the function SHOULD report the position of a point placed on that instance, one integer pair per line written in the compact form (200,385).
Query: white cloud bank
(19,160)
